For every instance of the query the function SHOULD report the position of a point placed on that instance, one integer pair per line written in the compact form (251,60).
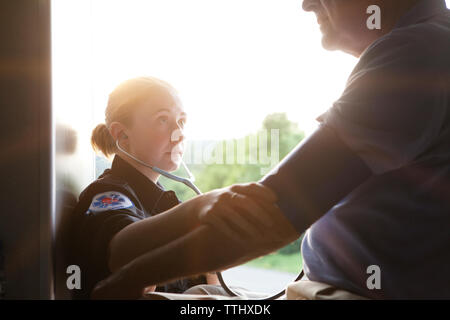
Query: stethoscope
(190,183)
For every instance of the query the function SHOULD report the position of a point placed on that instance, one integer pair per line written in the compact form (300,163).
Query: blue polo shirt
(395,115)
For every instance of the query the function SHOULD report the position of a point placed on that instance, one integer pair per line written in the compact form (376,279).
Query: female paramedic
(146,118)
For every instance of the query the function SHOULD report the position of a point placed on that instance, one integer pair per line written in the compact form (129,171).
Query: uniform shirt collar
(421,11)
(149,193)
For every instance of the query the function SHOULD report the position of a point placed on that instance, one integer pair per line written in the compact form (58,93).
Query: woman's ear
(117,130)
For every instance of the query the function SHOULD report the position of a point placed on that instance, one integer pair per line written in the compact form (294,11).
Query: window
(246,72)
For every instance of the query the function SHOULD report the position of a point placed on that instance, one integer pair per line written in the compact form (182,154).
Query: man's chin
(329,43)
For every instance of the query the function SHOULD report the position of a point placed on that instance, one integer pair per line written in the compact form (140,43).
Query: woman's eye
(163,119)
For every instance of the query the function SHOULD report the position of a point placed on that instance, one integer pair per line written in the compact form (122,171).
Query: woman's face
(156,134)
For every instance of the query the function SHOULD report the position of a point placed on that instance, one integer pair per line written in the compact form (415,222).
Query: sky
(233,62)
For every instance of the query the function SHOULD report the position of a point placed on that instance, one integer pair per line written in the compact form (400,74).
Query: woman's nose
(310,5)
(177,134)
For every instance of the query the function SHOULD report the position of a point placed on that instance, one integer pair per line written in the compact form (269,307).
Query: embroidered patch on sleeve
(111,200)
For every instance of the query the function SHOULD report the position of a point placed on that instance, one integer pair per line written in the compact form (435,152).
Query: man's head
(344,22)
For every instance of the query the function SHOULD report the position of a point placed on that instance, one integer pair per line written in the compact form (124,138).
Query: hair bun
(101,140)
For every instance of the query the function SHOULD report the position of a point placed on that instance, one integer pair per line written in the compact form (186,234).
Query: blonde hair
(122,101)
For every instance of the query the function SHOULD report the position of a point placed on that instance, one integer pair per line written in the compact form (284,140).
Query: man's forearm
(160,230)
(201,250)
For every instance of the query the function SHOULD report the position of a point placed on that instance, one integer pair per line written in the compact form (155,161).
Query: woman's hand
(211,278)
(150,289)
(118,287)
(246,213)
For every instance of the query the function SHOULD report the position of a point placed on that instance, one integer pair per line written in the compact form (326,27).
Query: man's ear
(118,131)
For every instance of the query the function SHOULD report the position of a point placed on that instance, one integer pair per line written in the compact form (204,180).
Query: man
(371,186)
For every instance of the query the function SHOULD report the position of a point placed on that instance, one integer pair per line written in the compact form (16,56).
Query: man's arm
(309,181)
(201,250)
(143,236)
(315,176)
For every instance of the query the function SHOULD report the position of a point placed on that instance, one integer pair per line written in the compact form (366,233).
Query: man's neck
(394,11)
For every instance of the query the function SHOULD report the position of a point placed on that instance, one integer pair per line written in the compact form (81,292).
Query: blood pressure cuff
(315,176)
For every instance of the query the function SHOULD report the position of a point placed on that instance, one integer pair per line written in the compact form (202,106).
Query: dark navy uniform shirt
(120,196)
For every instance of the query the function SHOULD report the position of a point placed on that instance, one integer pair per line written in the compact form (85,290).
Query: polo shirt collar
(148,192)
(422,11)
